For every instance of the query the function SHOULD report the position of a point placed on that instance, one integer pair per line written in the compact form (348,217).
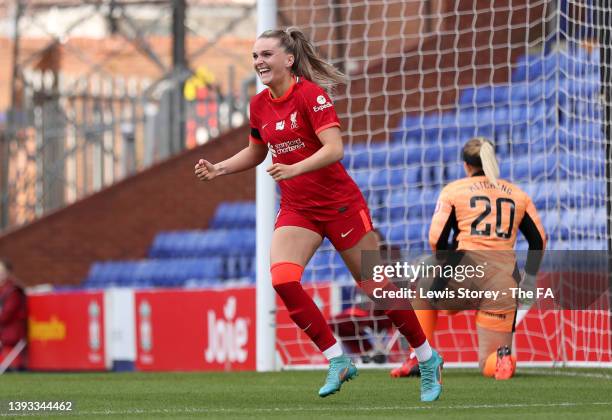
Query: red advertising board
(188,330)
(66,331)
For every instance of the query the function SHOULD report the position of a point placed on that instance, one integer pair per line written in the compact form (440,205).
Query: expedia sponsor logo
(51,330)
(321,107)
(322,101)
(287,147)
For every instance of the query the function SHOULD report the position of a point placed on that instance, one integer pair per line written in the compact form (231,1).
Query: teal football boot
(341,369)
(431,377)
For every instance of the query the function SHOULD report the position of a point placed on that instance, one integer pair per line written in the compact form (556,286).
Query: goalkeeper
(485,214)
(296,121)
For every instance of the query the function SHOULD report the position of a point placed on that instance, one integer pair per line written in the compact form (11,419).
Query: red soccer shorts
(343,232)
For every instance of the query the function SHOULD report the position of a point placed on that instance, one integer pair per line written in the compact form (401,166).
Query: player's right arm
(443,221)
(247,158)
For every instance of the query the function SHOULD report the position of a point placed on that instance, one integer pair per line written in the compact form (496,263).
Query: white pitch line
(548,372)
(196,410)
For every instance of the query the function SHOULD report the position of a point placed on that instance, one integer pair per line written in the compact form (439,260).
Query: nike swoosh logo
(344,235)
(343,374)
(263,126)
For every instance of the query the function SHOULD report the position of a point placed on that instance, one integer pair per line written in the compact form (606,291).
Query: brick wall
(117,58)
(121,221)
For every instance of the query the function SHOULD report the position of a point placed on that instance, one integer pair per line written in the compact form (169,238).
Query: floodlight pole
(265,213)
(180,73)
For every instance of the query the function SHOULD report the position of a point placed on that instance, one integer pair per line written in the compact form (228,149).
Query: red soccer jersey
(289,126)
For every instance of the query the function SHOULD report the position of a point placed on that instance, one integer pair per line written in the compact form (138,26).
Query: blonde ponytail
(307,63)
(489,162)
(479,153)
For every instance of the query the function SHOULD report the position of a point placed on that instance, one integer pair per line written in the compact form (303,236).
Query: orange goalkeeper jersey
(484,217)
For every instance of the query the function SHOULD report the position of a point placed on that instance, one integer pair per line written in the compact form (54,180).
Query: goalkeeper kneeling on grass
(484,215)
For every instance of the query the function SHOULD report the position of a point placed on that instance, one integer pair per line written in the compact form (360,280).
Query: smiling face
(271,62)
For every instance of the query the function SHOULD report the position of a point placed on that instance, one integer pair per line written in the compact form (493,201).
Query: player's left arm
(531,227)
(443,221)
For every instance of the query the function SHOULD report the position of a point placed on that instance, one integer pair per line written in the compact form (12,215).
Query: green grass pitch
(533,393)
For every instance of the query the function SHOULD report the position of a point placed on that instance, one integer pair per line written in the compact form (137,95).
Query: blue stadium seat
(558,245)
(361,178)
(432,126)
(432,175)
(453,171)
(432,153)
(387,177)
(241,241)
(451,150)
(358,156)
(535,66)
(412,176)
(549,194)
(247,216)
(410,129)
(379,155)
(501,94)
(527,168)
(468,96)
(417,231)
(520,169)
(222,216)
(484,95)
(415,154)
(398,234)
(397,154)
(505,169)
(319,267)
(520,72)
(539,168)
(502,120)
(424,205)
(583,166)
(554,225)
(595,244)
(397,202)
(234,214)
(585,87)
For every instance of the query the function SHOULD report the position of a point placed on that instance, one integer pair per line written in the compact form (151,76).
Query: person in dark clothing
(13,314)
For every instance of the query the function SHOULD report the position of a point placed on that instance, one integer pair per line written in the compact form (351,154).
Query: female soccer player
(486,214)
(296,121)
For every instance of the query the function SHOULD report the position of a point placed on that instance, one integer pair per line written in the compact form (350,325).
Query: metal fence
(64,137)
